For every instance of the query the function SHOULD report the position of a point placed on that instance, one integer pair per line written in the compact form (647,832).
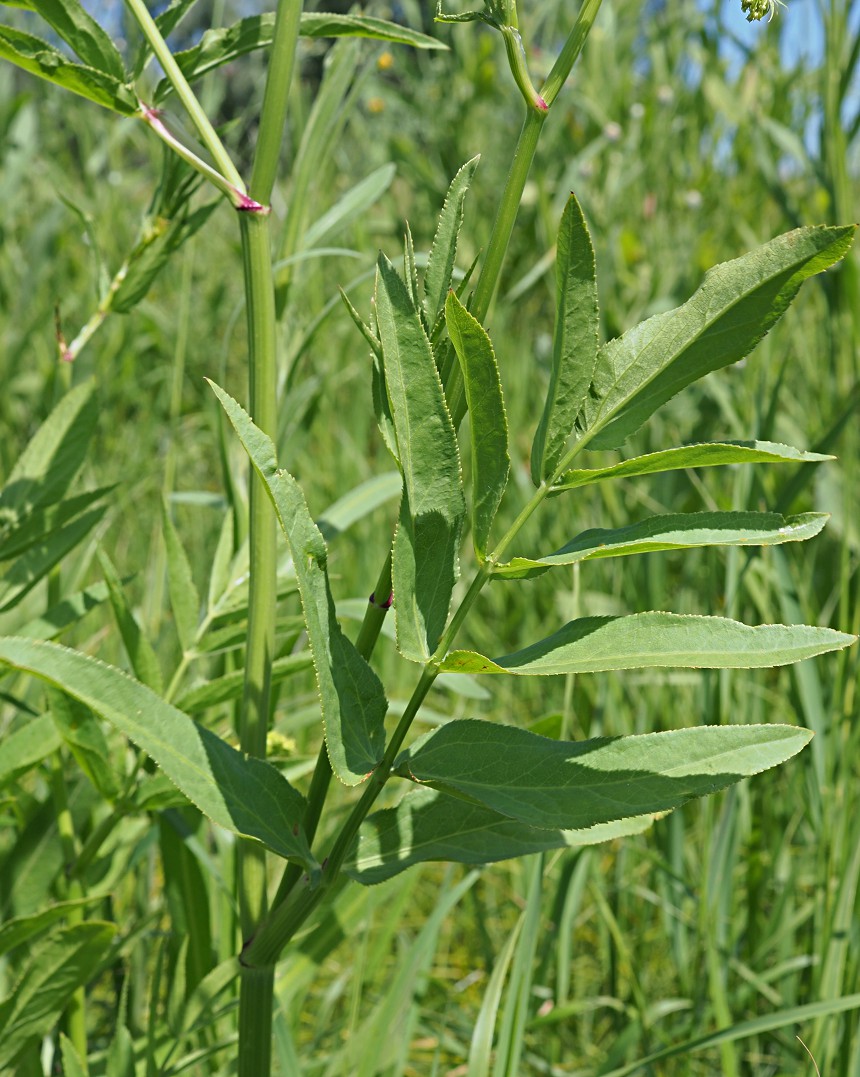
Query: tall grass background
(688,138)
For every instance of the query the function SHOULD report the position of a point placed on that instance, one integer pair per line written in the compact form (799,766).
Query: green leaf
(219,574)
(54,971)
(734,308)
(83,735)
(427,825)
(141,654)
(577,784)
(433,507)
(151,254)
(41,59)
(21,929)
(707,454)
(66,613)
(231,685)
(356,201)
(184,600)
(410,271)
(222,45)
(243,794)
(323,24)
(352,698)
(646,640)
(73,1065)
(574,346)
(83,34)
(358,503)
(440,264)
(38,561)
(488,426)
(675,532)
(52,458)
(38,525)
(26,747)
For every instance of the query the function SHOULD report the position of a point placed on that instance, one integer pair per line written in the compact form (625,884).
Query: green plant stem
(262,590)
(570,51)
(506,214)
(185,94)
(291,908)
(288,917)
(255,1021)
(371,626)
(523,157)
(256,994)
(273,114)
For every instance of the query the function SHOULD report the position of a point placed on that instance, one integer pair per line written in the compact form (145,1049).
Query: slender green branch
(236,193)
(507,213)
(377,607)
(571,49)
(256,996)
(185,94)
(262,594)
(277,930)
(539,106)
(275,99)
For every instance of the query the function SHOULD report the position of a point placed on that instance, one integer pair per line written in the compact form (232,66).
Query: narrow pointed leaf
(238,792)
(85,738)
(440,264)
(231,685)
(646,640)
(54,970)
(708,454)
(21,929)
(141,653)
(578,784)
(37,562)
(358,503)
(222,45)
(488,425)
(428,825)
(325,24)
(574,346)
(52,458)
(25,748)
(355,202)
(352,698)
(81,31)
(41,59)
(35,528)
(675,532)
(73,1066)
(736,305)
(66,613)
(184,600)
(410,272)
(425,559)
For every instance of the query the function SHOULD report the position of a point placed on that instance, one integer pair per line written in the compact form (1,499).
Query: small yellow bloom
(385,61)
(375,105)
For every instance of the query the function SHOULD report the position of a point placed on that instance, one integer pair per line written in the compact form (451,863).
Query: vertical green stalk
(287,915)
(254,720)
(256,995)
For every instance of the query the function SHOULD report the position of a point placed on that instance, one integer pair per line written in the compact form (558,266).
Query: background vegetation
(688,138)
